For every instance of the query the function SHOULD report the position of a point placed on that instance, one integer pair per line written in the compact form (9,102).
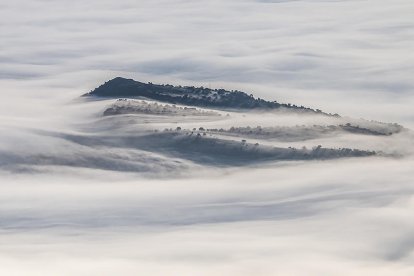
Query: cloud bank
(71,207)
(315,53)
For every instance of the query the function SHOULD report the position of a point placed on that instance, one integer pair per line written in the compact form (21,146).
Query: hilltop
(190,95)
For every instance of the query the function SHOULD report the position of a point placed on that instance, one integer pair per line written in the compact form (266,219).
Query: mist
(86,194)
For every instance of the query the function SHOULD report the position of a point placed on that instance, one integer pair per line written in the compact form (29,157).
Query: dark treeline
(189,95)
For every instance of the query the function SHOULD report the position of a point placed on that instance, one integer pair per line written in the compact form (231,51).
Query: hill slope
(188,95)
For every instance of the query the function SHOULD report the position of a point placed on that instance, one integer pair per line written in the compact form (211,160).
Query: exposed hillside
(123,106)
(189,95)
(202,149)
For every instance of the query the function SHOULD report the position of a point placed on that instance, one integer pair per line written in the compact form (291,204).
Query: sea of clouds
(67,208)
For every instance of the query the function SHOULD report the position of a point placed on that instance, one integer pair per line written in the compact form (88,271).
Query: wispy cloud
(289,50)
(71,207)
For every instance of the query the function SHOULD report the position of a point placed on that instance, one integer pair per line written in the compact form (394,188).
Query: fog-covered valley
(149,136)
(202,193)
(107,185)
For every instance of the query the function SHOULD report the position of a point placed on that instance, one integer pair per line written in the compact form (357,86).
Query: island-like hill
(189,95)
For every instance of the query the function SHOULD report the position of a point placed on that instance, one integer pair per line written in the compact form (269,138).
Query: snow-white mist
(84,209)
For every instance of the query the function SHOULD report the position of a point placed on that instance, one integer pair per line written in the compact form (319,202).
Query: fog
(87,194)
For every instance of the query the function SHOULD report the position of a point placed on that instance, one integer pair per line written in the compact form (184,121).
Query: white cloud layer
(71,215)
(353,57)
